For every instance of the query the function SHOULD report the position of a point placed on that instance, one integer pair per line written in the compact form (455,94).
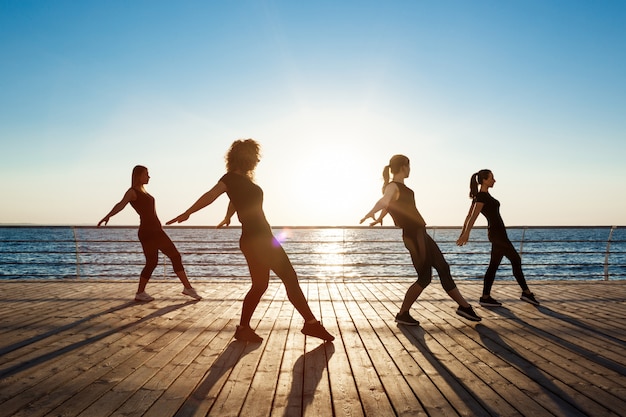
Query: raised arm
(472,215)
(391,194)
(129,196)
(206,199)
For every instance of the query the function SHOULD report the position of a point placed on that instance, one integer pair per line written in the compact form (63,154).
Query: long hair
(395,165)
(137,171)
(243,156)
(476,180)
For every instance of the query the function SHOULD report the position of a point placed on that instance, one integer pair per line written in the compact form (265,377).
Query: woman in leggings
(151,235)
(399,201)
(501,246)
(261,250)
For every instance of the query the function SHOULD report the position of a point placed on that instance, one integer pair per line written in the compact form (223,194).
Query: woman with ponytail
(501,246)
(399,201)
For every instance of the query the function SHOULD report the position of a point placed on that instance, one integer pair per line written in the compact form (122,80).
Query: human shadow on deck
(498,346)
(69,348)
(594,356)
(210,386)
(36,338)
(310,369)
(476,406)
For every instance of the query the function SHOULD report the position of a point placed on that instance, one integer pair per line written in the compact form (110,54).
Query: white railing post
(608,252)
(521,244)
(77,253)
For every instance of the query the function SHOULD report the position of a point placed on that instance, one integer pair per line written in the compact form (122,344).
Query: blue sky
(534,90)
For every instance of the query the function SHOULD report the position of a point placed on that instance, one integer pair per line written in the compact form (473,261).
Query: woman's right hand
(181,218)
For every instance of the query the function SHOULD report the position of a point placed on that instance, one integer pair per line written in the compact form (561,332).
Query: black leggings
(262,255)
(154,241)
(501,246)
(424,259)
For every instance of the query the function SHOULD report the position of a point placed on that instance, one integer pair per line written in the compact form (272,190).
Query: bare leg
(182,276)
(455,294)
(142,284)
(410,297)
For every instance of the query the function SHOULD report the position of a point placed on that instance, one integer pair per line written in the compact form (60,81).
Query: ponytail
(395,165)
(473,185)
(385,177)
(476,180)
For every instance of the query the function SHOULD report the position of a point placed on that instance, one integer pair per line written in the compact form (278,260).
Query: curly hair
(243,156)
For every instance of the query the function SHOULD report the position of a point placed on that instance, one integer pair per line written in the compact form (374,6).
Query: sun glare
(327,165)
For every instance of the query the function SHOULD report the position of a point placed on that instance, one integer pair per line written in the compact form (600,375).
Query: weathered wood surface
(85,348)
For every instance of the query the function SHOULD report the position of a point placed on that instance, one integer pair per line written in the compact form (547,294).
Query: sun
(329,170)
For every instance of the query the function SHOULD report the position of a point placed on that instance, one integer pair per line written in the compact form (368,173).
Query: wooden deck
(85,348)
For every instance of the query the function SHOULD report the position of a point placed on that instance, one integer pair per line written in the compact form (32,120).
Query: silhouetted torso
(144,205)
(491,211)
(404,212)
(247,198)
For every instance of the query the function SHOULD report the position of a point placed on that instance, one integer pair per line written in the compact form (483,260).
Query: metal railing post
(608,252)
(77,253)
(521,244)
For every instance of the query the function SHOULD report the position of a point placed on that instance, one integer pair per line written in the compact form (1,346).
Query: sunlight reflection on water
(316,253)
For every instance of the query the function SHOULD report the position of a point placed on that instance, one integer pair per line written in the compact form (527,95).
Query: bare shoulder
(131,195)
(392,192)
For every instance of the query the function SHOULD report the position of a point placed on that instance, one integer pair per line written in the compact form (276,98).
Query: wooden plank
(342,384)
(87,350)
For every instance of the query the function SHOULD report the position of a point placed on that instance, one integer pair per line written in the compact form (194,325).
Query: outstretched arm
(382,215)
(229,213)
(472,215)
(391,194)
(128,197)
(206,199)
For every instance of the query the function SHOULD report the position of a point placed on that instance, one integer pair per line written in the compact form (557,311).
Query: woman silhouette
(483,202)
(261,250)
(151,235)
(399,201)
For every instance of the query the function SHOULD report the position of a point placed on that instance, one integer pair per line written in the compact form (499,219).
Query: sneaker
(468,313)
(529,298)
(143,296)
(405,318)
(489,302)
(317,330)
(192,293)
(246,334)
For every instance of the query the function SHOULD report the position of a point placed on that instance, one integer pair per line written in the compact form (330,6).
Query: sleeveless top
(404,212)
(144,206)
(247,198)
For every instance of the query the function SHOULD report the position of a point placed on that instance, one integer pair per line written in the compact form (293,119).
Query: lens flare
(281,236)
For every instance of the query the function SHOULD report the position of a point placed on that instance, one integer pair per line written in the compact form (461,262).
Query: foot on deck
(529,298)
(143,297)
(317,330)
(468,313)
(405,318)
(246,334)
(192,293)
(489,302)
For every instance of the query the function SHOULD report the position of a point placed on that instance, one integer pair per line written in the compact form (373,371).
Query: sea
(334,253)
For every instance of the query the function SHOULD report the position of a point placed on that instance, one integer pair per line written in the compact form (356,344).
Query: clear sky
(533,90)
